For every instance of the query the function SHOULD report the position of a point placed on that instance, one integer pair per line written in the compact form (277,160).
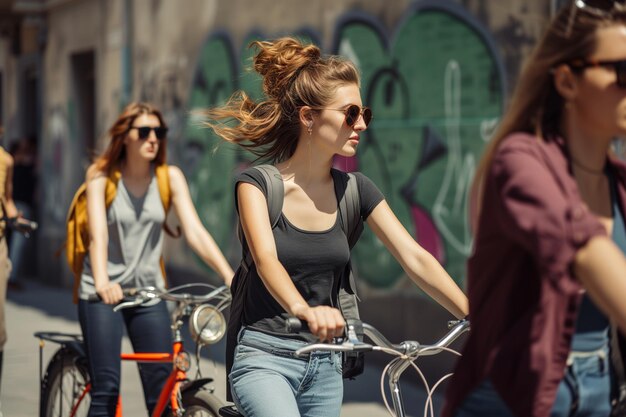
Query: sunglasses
(352,113)
(618,66)
(599,8)
(144,132)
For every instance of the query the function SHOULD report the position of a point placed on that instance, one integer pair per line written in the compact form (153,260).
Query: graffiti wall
(436,87)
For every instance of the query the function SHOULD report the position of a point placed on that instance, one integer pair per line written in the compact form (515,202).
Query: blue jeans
(18,242)
(268,381)
(149,331)
(483,401)
(585,390)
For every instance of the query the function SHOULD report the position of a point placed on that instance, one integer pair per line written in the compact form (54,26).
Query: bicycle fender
(77,347)
(197,383)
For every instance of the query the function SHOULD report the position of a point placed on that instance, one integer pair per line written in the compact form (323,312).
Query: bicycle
(20,224)
(65,386)
(406,353)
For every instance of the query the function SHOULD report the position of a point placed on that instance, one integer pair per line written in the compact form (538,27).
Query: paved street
(38,307)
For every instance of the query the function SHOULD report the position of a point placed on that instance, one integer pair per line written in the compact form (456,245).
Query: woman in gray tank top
(125,251)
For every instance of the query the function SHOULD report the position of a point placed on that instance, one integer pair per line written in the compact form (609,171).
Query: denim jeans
(149,331)
(268,381)
(585,391)
(18,242)
(483,401)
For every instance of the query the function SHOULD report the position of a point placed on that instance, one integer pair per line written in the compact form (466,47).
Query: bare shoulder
(174,171)
(7,158)
(176,174)
(94,173)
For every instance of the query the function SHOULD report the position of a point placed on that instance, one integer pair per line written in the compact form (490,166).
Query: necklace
(587,169)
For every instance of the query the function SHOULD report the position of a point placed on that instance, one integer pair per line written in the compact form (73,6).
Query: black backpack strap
(275,191)
(275,195)
(347,191)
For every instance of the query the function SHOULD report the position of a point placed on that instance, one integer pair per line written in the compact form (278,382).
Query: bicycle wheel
(63,386)
(201,403)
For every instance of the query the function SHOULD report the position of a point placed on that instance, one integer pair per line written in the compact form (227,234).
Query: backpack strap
(349,205)
(162,173)
(275,195)
(347,191)
(275,191)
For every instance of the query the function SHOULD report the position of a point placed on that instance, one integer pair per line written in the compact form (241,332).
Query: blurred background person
(24,153)
(7,210)
(548,273)
(125,251)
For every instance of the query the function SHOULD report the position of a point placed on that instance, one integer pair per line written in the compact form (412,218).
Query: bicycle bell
(207,324)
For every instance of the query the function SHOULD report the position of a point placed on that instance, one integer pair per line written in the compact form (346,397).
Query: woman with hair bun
(312,111)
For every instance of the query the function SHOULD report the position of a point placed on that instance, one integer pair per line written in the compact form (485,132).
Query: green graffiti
(206,160)
(431,94)
(435,92)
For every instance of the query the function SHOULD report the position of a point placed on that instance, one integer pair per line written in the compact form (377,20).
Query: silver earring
(310,128)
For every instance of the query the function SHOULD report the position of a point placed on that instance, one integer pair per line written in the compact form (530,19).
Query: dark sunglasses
(618,66)
(352,113)
(144,132)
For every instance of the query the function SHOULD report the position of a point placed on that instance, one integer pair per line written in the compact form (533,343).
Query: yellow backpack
(77,226)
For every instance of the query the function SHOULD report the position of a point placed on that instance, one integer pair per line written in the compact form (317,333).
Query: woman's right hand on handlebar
(110,293)
(324,322)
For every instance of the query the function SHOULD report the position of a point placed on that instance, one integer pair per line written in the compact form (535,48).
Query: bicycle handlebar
(136,296)
(380,343)
(20,224)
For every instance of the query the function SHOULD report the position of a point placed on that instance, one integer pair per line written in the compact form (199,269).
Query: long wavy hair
(115,152)
(535,106)
(294,75)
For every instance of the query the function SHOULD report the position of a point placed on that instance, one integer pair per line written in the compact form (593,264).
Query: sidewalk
(38,308)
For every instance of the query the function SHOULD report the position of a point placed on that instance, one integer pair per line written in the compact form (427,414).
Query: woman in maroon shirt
(548,268)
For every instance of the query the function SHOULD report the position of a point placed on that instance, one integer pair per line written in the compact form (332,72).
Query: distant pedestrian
(24,185)
(7,210)
(548,272)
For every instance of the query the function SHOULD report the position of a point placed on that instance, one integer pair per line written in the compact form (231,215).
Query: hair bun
(280,61)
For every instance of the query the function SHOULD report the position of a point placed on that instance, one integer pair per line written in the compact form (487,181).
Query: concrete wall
(436,73)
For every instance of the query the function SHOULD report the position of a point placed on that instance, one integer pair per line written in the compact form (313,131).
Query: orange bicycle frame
(170,390)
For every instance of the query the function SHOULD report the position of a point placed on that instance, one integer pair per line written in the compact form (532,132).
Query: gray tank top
(135,241)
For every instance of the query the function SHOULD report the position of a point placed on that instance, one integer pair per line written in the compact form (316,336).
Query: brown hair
(294,75)
(116,151)
(536,106)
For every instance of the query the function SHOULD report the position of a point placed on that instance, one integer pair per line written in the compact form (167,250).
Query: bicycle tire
(64,381)
(201,403)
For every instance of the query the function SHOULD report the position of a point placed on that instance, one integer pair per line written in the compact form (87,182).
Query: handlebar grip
(293,324)
(127,292)
(93,298)
(31,225)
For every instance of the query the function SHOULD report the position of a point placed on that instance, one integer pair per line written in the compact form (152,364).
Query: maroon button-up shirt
(523,295)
